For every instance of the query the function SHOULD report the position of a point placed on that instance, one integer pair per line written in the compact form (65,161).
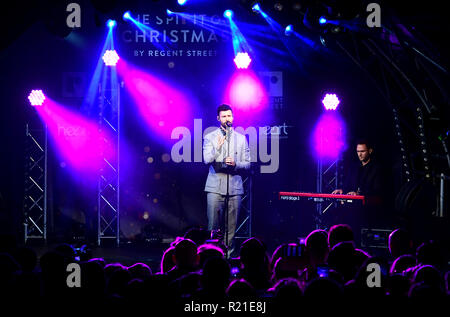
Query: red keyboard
(292,196)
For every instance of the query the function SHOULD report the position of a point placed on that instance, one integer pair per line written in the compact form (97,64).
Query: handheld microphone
(228,124)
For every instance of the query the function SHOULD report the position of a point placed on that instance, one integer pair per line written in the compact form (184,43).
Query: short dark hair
(223,107)
(366,142)
(339,233)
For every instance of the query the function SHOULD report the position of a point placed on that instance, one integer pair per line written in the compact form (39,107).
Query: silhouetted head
(252,252)
(197,235)
(167,261)
(317,245)
(216,275)
(207,251)
(185,255)
(140,271)
(402,263)
(93,278)
(429,253)
(287,289)
(400,243)
(117,283)
(67,251)
(323,288)
(343,260)
(285,267)
(429,275)
(340,233)
(278,253)
(240,289)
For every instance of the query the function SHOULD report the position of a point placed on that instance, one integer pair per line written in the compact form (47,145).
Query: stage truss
(244,224)
(329,177)
(108,194)
(35,191)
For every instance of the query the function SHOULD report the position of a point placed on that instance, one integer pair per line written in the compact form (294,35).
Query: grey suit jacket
(217,177)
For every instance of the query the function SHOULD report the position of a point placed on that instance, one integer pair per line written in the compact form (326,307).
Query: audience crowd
(326,264)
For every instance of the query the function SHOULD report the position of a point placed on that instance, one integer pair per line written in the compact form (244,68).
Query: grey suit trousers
(215,210)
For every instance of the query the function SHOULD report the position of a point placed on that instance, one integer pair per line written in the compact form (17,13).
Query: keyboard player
(365,179)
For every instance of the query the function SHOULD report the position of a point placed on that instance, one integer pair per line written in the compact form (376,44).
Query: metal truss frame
(329,177)
(244,224)
(35,191)
(108,194)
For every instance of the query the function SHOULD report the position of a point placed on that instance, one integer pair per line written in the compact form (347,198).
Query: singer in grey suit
(227,154)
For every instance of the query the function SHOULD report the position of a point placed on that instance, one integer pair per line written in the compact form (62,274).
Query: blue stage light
(127,15)
(182,2)
(256,7)
(111,23)
(228,14)
(169,12)
(322,20)
(288,30)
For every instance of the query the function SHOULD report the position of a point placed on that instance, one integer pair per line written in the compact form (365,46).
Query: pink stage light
(330,101)
(162,106)
(328,138)
(242,60)
(110,58)
(247,95)
(78,140)
(36,97)
(246,92)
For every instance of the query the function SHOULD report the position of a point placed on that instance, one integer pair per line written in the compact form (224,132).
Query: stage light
(182,2)
(110,58)
(289,30)
(127,15)
(161,106)
(78,140)
(228,14)
(256,7)
(330,101)
(111,23)
(328,137)
(242,60)
(36,98)
(169,12)
(248,95)
(278,6)
(322,20)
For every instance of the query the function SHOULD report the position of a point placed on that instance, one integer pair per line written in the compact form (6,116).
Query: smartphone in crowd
(323,271)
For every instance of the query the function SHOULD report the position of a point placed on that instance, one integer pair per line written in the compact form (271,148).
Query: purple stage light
(110,58)
(36,97)
(330,101)
(242,60)
(162,106)
(329,136)
(246,94)
(77,139)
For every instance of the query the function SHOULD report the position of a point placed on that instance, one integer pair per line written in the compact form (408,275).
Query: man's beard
(225,126)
